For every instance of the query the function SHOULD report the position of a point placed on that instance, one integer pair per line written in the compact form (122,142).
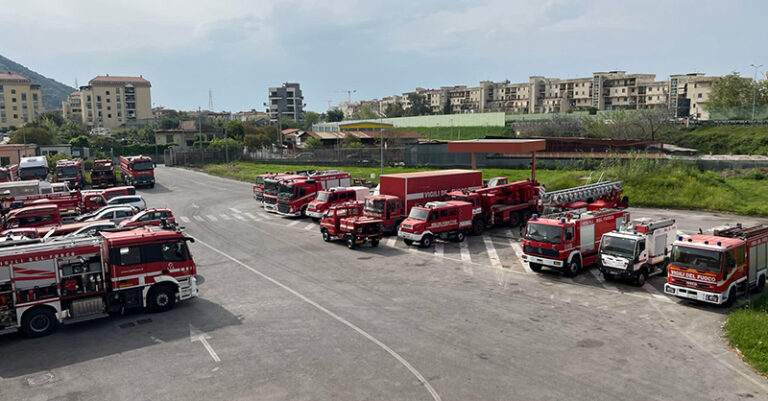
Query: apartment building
(72,107)
(20,100)
(286,102)
(689,93)
(115,101)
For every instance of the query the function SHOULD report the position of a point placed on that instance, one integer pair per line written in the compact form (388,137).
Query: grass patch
(747,330)
(724,139)
(649,183)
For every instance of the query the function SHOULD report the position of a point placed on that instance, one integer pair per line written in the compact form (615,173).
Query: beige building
(72,107)
(20,100)
(689,93)
(112,102)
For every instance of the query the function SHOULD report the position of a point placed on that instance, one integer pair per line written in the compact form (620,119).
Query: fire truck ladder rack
(740,232)
(651,225)
(582,193)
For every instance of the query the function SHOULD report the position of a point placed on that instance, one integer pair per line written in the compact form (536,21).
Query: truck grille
(283,207)
(536,250)
(270,201)
(691,284)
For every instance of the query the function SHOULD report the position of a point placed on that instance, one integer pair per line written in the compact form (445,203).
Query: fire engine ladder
(582,193)
(741,232)
(47,245)
(652,225)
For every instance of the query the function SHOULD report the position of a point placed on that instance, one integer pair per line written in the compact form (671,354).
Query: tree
(81,141)
(394,110)
(310,118)
(734,91)
(103,142)
(365,113)
(313,144)
(286,123)
(71,129)
(447,107)
(651,121)
(351,141)
(334,116)
(258,141)
(418,105)
(147,134)
(235,129)
(226,143)
(36,135)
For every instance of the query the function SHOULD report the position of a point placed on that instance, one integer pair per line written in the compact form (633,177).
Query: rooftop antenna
(210,99)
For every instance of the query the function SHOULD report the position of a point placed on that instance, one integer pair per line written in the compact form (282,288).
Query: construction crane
(349,94)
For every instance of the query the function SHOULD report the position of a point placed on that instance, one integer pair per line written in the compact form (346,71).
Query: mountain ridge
(54,92)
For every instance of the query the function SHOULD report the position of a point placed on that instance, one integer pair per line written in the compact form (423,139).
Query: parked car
(89,216)
(92,229)
(152,217)
(132,200)
(115,215)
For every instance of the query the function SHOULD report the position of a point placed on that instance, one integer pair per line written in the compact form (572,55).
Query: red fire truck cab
(63,280)
(450,219)
(294,196)
(568,241)
(716,268)
(71,172)
(332,196)
(137,171)
(33,216)
(103,173)
(346,221)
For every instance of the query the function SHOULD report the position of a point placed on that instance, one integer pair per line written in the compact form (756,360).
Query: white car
(116,215)
(129,200)
(92,229)
(89,216)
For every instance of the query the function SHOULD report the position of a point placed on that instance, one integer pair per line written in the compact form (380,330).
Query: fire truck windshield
(285,191)
(374,205)
(270,187)
(618,246)
(142,166)
(699,259)
(259,181)
(419,214)
(544,233)
(66,171)
(322,196)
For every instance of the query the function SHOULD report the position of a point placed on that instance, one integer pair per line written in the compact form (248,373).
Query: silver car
(92,229)
(130,200)
(115,215)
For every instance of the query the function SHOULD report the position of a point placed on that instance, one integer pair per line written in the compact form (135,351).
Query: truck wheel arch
(33,309)
(168,281)
(574,254)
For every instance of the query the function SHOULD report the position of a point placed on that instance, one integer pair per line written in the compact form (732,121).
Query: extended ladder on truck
(740,232)
(648,225)
(583,193)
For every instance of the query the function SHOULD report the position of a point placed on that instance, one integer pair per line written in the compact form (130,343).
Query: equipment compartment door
(587,238)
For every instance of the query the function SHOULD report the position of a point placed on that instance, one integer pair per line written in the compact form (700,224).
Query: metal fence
(339,156)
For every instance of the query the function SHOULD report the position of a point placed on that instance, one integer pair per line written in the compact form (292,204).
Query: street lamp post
(754,92)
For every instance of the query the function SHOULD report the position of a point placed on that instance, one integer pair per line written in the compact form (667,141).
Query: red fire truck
(103,174)
(60,280)
(271,186)
(398,193)
(444,220)
(258,186)
(10,173)
(33,216)
(600,195)
(346,221)
(332,196)
(70,204)
(293,196)
(715,268)
(568,241)
(71,172)
(137,170)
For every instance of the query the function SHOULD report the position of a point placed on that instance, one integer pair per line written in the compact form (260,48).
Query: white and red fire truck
(444,220)
(640,249)
(333,196)
(137,170)
(715,268)
(568,241)
(59,280)
(293,196)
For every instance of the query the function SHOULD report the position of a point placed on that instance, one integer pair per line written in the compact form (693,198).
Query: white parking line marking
(225,217)
(293,223)
(252,217)
(439,249)
(492,255)
(310,226)
(212,217)
(602,281)
(518,251)
(184,219)
(390,351)
(199,218)
(464,248)
(239,217)
(235,210)
(197,335)
(391,241)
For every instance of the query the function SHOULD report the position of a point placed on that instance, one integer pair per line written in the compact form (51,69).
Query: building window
(119,114)
(109,107)
(109,115)
(168,138)
(89,99)
(699,96)
(15,116)
(34,96)
(13,91)
(13,100)
(117,90)
(1,88)
(107,94)
(108,100)
(24,97)
(5,160)
(98,98)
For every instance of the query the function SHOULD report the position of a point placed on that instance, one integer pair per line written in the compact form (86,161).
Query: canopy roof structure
(475,146)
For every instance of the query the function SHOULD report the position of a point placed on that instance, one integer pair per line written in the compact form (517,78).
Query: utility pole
(754,92)
(200,132)
(381,140)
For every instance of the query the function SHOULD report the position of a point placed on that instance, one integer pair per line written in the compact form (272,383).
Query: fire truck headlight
(670,290)
(712,298)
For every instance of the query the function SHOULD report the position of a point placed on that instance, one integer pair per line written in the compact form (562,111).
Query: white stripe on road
(199,218)
(439,249)
(184,219)
(464,248)
(252,217)
(310,226)
(293,223)
(390,351)
(492,255)
(391,241)
(239,217)
(212,217)
(225,217)
(518,251)
(235,210)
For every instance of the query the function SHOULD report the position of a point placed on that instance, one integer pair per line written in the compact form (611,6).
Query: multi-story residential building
(286,102)
(20,100)
(615,90)
(113,101)
(72,107)
(689,93)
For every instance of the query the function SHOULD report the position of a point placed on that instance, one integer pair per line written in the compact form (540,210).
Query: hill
(54,92)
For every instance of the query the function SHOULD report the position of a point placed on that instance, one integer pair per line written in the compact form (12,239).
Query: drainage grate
(40,379)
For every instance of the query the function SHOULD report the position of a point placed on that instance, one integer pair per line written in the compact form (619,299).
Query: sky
(238,49)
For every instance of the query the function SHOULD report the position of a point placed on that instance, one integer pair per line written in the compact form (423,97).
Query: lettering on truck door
(587,238)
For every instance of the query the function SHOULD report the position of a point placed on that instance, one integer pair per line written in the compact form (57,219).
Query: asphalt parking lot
(285,316)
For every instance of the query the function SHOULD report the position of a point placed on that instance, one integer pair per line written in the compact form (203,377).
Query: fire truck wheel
(642,275)
(374,243)
(535,267)
(408,242)
(514,219)
(38,322)
(160,298)
(760,285)
(304,211)
(731,298)
(152,185)
(350,241)
(326,236)
(572,269)
(460,236)
(608,276)
(426,241)
(478,226)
